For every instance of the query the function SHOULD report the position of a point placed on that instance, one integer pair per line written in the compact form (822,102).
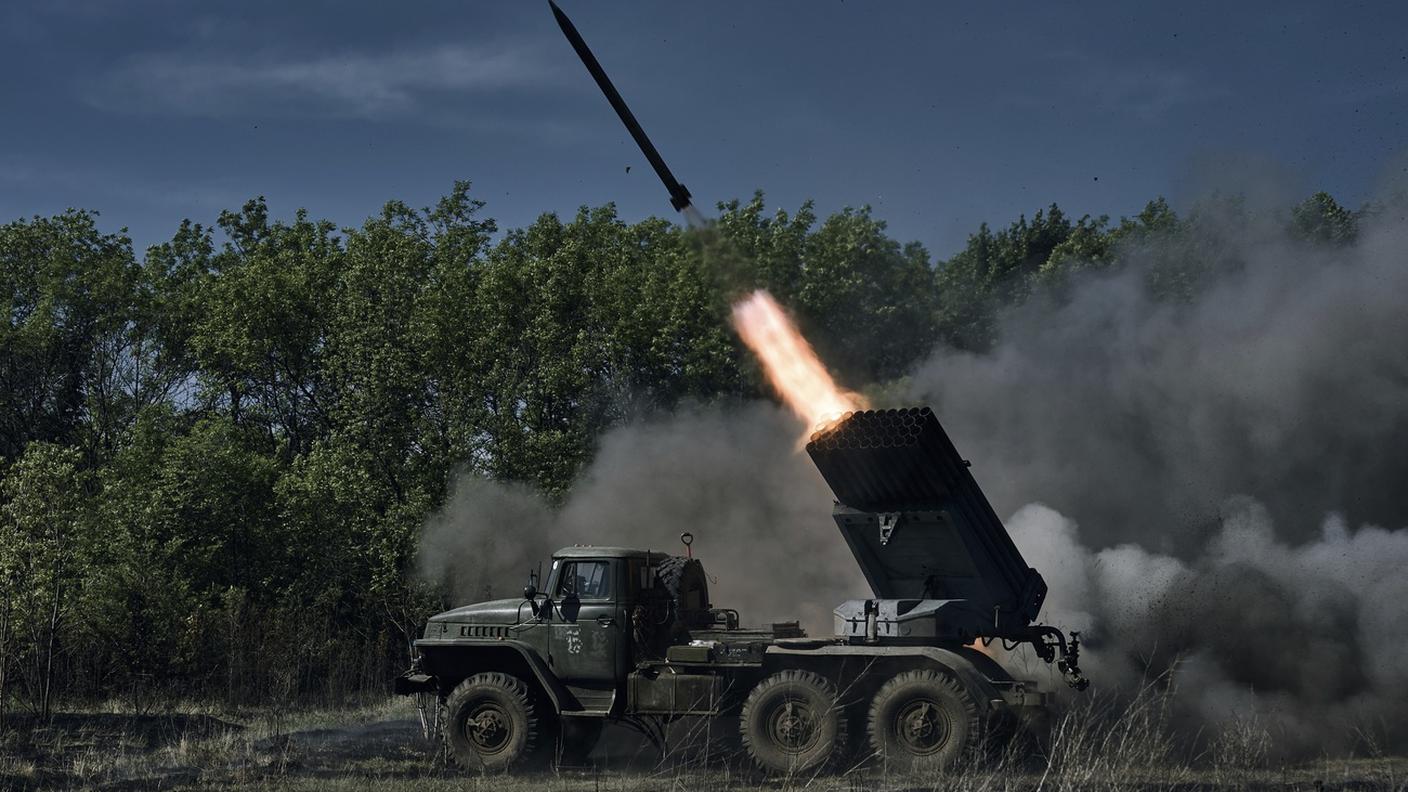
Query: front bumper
(413,682)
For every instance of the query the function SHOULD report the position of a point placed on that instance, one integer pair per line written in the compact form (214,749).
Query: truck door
(586,630)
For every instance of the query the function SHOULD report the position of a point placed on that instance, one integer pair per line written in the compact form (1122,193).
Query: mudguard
(978,682)
(562,699)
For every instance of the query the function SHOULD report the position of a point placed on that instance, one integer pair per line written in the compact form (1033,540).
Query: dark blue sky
(939,115)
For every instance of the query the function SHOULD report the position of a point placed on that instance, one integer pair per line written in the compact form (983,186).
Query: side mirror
(531,594)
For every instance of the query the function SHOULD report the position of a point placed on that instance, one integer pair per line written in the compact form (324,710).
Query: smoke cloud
(1303,640)
(1199,480)
(1283,377)
(1227,457)
(735,478)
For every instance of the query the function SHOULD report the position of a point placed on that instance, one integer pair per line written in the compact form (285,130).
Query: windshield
(584,580)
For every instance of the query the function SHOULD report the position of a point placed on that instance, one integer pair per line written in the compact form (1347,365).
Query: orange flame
(987,649)
(789,362)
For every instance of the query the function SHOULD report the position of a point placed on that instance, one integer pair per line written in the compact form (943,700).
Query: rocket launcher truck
(632,637)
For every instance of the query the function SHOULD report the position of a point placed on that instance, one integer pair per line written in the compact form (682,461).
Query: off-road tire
(677,575)
(576,739)
(490,724)
(670,573)
(792,724)
(923,720)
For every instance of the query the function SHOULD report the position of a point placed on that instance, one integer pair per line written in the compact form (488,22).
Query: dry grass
(1102,745)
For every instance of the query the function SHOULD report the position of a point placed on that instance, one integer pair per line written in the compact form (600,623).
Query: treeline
(217,457)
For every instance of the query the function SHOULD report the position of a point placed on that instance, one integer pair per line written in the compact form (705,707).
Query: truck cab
(586,611)
(601,611)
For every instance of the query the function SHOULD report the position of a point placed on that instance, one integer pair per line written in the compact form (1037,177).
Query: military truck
(632,637)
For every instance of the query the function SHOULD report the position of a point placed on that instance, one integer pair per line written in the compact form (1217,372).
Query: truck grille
(482,631)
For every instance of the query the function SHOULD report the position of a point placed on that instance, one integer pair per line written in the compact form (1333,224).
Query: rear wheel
(490,723)
(923,720)
(791,723)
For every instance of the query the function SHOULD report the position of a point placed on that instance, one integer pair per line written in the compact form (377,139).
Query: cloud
(82,186)
(1143,89)
(355,85)
(1152,92)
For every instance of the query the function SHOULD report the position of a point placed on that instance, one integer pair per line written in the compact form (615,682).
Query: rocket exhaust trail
(679,194)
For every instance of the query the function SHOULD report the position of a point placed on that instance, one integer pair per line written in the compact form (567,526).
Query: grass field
(379,748)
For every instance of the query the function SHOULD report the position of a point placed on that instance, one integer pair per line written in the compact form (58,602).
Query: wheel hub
(793,726)
(922,727)
(487,728)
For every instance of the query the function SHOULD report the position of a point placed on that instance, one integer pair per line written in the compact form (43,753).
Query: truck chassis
(630,636)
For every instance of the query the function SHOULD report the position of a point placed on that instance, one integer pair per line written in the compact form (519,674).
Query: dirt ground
(381,749)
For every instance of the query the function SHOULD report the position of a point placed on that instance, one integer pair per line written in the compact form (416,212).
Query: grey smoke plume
(1218,454)
(759,512)
(1285,378)
(1303,640)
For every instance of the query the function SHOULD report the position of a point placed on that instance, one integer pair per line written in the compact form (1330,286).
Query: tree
(234,446)
(867,299)
(994,270)
(71,293)
(582,325)
(1093,244)
(830,276)
(1321,219)
(261,320)
(755,251)
(46,541)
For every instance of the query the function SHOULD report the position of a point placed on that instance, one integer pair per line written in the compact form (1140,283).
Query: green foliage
(47,550)
(1000,269)
(71,293)
(220,458)
(1321,219)
(996,269)
(864,300)
(579,326)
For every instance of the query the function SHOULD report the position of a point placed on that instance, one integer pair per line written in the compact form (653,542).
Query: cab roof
(595,551)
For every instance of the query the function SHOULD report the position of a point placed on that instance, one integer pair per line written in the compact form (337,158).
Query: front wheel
(923,720)
(490,724)
(791,723)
